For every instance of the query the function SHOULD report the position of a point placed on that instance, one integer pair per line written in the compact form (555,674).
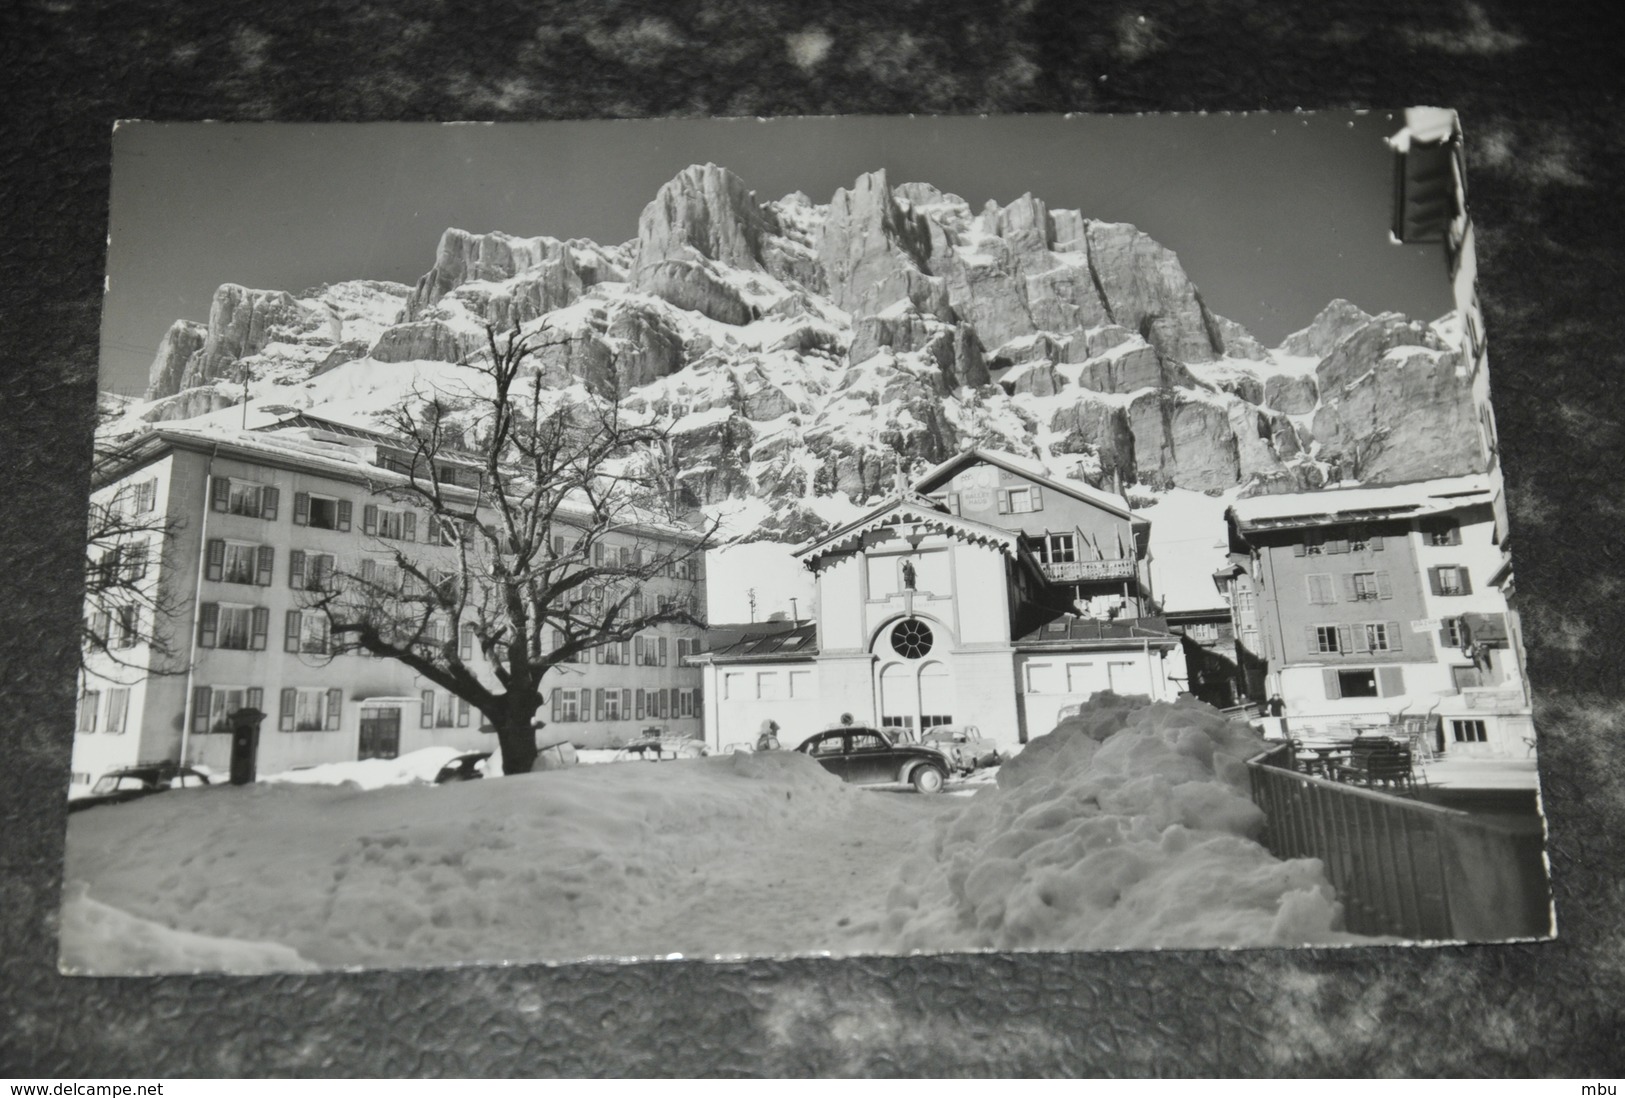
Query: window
(1357,684)
(612,705)
(911,639)
(1376,636)
(1020,501)
(1058,548)
(1444,533)
(310,571)
(393,523)
(241,497)
(829,745)
(734,685)
(1246,599)
(801,684)
(117,708)
(1321,590)
(1450,632)
(1470,731)
(145,497)
(129,626)
(685,698)
(866,741)
(565,706)
(222,625)
(306,631)
(439,709)
(1449,579)
(310,710)
(322,512)
(1324,639)
(133,559)
(237,562)
(212,706)
(767,685)
(1314,543)
(1202,631)
(89,702)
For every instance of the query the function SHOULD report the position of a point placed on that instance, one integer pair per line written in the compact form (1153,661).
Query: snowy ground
(1127,828)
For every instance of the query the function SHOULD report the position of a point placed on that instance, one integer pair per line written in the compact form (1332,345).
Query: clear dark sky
(1273,215)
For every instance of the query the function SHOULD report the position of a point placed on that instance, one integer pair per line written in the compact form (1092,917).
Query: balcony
(1084,571)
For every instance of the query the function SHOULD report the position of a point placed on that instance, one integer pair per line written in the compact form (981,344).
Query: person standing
(769,738)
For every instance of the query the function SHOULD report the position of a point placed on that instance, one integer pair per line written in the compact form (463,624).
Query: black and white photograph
(844,536)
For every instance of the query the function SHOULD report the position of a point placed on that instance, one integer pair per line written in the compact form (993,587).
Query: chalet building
(255,519)
(987,594)
(1380,600)
(1240,595)
(1212,659)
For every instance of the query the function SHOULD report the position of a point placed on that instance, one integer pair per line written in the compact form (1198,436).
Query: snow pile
(102,940)
(415,767)
(1128,827)
(623,860)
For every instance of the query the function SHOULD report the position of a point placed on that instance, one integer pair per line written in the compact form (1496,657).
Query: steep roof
(759,642)
(1377,501)
(1042,628)
(909,509)
(1027,469)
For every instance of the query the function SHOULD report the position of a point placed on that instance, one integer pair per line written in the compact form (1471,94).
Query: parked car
(467,767)
(964,746)
(871,756)
(133,782)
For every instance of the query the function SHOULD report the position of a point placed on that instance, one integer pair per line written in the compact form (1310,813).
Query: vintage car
(134,782)
(964,746)
(467,767)
(870,756)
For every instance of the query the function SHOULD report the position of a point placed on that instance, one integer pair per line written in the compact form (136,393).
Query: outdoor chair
(1379,762)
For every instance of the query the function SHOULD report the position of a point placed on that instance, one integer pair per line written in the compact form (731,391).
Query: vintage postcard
(719,538)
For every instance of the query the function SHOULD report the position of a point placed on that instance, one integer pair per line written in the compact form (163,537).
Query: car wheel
(927,779)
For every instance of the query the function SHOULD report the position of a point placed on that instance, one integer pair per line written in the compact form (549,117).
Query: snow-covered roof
(1028,468)
(1423,497)
(908,509)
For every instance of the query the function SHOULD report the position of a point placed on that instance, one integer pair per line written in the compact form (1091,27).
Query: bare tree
(126,631)
(551,517)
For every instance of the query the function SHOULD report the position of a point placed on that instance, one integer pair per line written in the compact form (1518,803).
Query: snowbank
(416,767)
(1128,827)
(102,940)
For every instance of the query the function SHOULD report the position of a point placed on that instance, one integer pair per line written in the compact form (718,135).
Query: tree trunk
(518,741)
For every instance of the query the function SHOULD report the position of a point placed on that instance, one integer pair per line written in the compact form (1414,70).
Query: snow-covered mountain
(796,348)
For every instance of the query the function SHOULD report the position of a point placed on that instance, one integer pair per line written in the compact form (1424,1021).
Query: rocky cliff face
(802,349)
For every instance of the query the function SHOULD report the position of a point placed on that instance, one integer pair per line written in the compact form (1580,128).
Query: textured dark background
(1538,93)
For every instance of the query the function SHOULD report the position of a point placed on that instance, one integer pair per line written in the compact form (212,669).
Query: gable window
(1321,589)
(1020,501)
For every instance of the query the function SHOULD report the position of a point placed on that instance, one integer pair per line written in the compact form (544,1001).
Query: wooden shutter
(344,514)
(662,650)
(1344,640)
(219,493)
(598,654)
(699,693)
(557,705)
(1351,587)
(1433,581)
(1311,639)
(290,636)
(270,498)
(409,525)
(267,564)
(1375,543)
(1334,690)
(256,698)
(1004,502)
(465,645)
(598,704)
(335,706)
(101,624)
(369,570)
(1337,541)
(290,702)
(1466,580)
(1299,549)
(216,559)
(296,568)
(202,698)
(208,624)
(1385,586)
(426,714)
(1390,681)
(369,518)
(637,651)
(626,703)
(1396,639)
(1358,634)
(301,508)
(638,701)
(463,711)
(261,627)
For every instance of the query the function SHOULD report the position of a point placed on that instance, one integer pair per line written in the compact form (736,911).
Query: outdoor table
(1325,758)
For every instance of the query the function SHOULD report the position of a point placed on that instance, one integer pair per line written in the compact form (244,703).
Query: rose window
(911,639)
